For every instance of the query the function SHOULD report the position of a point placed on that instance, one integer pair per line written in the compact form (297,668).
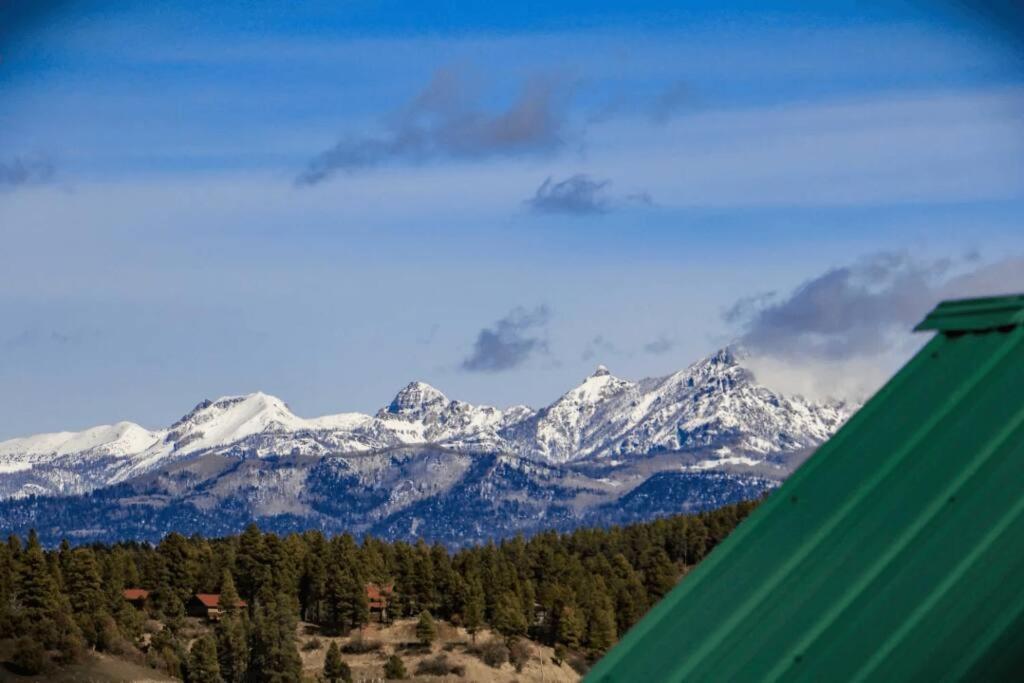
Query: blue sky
(328,201)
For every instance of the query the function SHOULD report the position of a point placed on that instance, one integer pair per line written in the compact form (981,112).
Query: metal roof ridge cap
(974,314)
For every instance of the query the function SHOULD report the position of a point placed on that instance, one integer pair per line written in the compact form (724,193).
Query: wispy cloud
(509,342)
(600,348)
(447,119)
(844,331)
(25,171)
(579,194)
(676,98)
(35,338)
(660,346)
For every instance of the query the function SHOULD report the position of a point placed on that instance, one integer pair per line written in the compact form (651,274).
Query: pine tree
(8,580)
(203,666)
(63,561)
(394,668)
(180,568)
(38,598)
(658,571)
(424,585)
(85,593)
(313,582)
(425,629)
(473,612)
(508,616)
(601,627)
(273,657)
(251,563)
(229,599)
(345,599)
(232,647)
(570,627)
(335,669)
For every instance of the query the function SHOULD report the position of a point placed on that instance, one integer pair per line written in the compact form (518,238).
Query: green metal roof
(895,553)
(965,315)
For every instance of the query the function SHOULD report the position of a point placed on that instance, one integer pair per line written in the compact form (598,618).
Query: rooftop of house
(213,600)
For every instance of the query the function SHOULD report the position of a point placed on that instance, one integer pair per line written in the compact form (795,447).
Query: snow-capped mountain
(609,450)
(714,406)
(715,402)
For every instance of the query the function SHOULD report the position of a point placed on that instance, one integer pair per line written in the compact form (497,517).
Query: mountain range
(609,450)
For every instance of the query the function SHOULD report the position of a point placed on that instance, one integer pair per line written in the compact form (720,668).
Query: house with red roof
(207,606)
(136,596)
(378,596)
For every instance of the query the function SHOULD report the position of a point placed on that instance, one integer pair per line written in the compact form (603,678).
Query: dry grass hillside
(94,668)
(366,652)
(454,645)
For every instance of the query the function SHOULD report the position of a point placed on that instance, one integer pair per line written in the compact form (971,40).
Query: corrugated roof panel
(895,553)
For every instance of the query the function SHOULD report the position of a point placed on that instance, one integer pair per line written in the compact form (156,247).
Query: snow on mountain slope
(119,439)
(568,428)
(71,462)
(713,406)
(229,419)
(422,414)
(714,402)
(717,401)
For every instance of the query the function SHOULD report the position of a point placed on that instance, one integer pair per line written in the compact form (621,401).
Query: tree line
(577,591)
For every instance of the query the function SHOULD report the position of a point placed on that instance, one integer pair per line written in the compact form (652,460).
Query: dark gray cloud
(25,171)
(860,309)
(579,194)
(510,342)
(447,120)
(660,345)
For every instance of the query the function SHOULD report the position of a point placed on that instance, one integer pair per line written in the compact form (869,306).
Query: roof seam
(929,514)
(961,568)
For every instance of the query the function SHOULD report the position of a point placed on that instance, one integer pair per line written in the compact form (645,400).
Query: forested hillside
(578,592)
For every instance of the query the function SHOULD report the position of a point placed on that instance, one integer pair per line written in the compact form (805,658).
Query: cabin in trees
(136,597)
(207,606)
(377,598)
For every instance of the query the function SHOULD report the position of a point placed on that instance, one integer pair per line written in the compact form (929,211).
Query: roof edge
(975,315)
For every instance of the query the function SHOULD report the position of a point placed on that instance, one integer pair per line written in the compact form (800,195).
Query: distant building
(136,596)
(207,606)
(377,598)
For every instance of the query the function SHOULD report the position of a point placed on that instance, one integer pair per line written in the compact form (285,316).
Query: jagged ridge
(714,407)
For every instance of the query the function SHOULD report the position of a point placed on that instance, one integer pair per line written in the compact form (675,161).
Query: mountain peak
(726,355)
(230,418)
(601,371)
(415,399)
